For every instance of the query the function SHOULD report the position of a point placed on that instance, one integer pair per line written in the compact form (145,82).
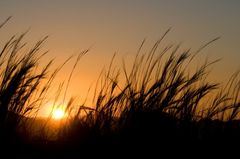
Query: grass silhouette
(158,101)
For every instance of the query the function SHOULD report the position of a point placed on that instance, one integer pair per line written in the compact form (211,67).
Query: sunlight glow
(58,114)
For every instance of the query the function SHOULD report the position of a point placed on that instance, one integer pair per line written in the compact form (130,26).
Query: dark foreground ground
(145,134)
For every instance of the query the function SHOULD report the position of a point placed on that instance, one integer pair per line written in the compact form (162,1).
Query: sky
(109,26)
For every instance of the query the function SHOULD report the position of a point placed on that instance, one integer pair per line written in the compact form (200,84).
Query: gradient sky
(110,26)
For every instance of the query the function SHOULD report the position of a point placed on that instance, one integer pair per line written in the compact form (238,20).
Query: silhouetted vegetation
(158,102)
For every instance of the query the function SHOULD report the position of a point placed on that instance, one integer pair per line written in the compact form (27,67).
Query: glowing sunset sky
(120,25)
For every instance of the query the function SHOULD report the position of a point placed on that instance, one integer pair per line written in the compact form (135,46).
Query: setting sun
(58,114)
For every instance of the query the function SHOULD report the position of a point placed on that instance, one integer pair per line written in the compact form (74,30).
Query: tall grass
(24,84)
(20,77)
(158,98)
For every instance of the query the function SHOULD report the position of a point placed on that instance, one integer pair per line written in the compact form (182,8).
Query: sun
(58,114)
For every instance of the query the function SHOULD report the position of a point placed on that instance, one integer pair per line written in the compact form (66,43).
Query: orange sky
(110,26)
